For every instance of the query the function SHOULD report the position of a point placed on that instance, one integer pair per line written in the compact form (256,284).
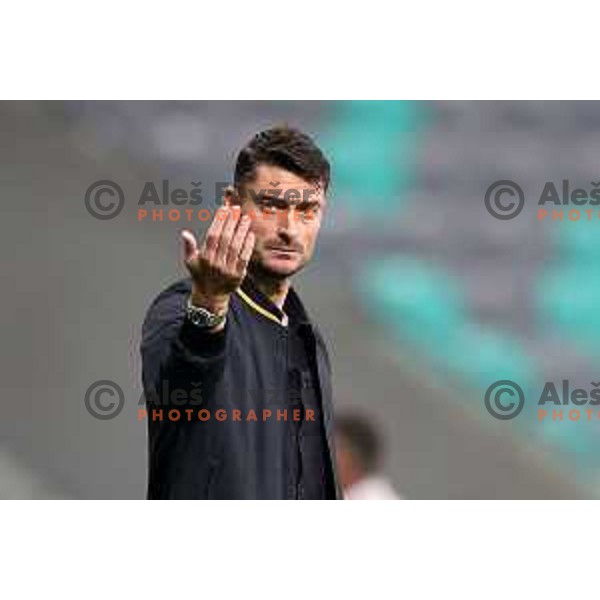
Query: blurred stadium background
(425,298)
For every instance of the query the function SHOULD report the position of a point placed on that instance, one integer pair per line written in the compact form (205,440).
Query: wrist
(217,305)
(204,318)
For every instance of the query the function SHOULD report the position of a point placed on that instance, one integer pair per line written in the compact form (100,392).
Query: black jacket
(194,382)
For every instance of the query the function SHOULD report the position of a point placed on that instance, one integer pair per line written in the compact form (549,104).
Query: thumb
(190,245)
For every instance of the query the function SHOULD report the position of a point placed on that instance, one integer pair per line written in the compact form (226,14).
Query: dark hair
(283,147)
(362,439)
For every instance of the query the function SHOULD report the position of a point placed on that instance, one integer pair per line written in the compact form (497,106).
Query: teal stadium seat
(421,307)
(374,148)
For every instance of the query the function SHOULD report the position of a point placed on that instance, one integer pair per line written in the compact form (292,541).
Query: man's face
(286,215)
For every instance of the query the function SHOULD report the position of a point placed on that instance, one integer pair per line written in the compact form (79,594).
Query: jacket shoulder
(178,288)
(168,304)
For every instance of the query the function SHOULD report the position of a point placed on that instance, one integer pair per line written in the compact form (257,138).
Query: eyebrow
(300,200)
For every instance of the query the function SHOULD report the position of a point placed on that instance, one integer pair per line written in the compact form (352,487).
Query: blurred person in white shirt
(359,456)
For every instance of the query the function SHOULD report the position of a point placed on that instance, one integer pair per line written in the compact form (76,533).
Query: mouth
(287,251)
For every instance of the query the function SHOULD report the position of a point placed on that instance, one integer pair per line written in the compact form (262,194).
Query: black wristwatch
(200,317)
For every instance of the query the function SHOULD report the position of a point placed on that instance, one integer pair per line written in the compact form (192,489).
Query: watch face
(202,318)
(196,318)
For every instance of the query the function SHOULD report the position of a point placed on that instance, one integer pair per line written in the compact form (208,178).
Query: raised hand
(219,265)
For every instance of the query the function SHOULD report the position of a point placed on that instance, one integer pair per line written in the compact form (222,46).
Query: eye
(268,206)
(310,212)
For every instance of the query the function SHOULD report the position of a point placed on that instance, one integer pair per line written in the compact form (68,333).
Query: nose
(287,223)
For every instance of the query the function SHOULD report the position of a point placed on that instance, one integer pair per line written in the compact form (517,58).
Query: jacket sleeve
(180,363)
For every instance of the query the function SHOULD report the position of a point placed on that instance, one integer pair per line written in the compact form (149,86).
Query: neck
(274,289)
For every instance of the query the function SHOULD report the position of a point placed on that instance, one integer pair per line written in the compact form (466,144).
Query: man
(358,449)
(234,345)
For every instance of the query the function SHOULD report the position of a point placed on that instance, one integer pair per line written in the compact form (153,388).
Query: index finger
(213,233)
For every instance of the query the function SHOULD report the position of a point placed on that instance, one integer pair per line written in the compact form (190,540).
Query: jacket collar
(292,309)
